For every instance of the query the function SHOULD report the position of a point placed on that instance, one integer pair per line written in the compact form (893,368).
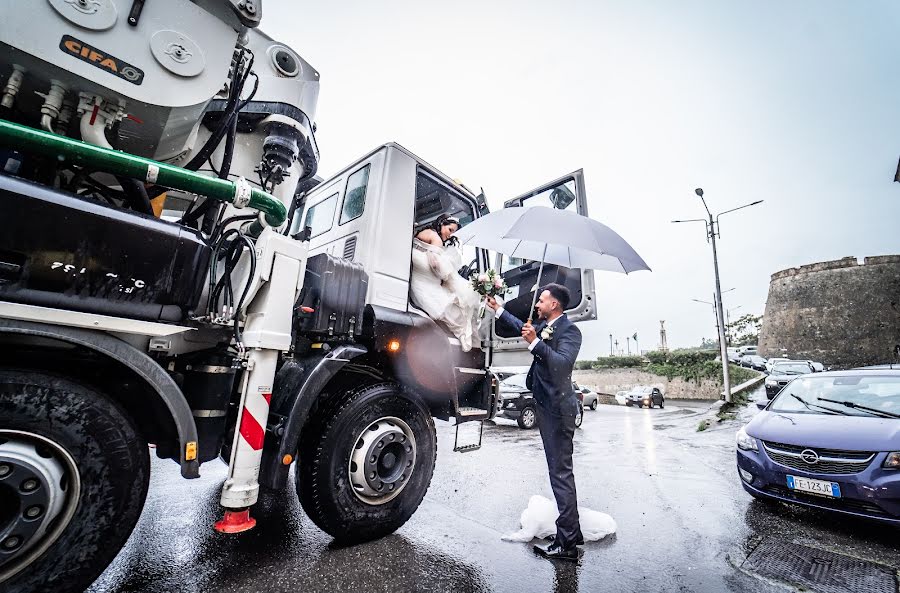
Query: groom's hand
(528,333)
(492,303)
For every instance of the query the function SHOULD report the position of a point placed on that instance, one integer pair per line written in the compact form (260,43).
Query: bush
(657,357)
(618,362)
(697,371)
(584,365)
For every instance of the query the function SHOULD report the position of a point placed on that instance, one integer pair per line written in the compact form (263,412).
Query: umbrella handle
(537,286)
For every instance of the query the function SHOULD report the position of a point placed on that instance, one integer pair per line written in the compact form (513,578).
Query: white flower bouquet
(488,284)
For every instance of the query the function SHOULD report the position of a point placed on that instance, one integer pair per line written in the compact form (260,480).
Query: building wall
(841,313)
(612,380)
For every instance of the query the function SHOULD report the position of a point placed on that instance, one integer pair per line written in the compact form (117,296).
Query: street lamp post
(712,231)
(728,317)
(715,309)
(610,345)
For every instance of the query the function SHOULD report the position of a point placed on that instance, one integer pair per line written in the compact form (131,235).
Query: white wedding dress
(447,297)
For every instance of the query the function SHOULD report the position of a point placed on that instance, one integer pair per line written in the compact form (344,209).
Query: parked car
(747,350)
(580,416)
(589,399)
(621,397)
(771,362)
(644,395)
(753,361)
(516,401)
(817,367)
(783,373)
(829,441)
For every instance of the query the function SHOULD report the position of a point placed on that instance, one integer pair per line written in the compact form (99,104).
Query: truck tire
(73,478)
(366,458)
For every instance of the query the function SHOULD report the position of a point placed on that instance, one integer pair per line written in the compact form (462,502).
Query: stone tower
(841,313)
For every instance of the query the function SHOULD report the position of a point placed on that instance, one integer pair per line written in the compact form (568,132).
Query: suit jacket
(550,375)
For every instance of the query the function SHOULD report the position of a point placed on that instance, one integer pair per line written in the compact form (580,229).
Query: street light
(728,315)
(713,305)
(713,231)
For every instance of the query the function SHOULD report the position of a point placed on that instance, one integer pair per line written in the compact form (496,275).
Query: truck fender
(140,363)
(299,382)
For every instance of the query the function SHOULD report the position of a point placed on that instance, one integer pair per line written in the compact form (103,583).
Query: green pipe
(121,163)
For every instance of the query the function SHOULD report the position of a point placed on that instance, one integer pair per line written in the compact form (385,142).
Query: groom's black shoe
(556,552)
(552,538)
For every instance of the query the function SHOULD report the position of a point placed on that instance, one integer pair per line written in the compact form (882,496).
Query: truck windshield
(433,198)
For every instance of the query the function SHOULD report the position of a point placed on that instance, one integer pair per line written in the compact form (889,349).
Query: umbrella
(549,235)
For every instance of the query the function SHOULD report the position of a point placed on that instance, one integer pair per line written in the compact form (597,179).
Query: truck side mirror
(762,405)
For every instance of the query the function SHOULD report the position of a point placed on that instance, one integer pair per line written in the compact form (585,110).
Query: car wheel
(594,404)
(366,460)
(74,472)
(628,402)
(579,418)
(528,418)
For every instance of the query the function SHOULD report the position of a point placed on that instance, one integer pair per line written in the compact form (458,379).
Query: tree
(744,331)
(707,344)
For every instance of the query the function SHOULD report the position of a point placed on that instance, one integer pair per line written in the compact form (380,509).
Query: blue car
(829,441)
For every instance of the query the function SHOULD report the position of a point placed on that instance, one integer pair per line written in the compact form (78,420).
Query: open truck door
(521,276)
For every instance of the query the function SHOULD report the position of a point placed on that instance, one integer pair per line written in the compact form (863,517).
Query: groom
(554,343)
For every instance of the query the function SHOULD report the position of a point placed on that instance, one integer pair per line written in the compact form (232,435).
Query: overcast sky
(796,103)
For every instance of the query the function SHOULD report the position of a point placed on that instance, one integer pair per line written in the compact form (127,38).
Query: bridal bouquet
(487,284)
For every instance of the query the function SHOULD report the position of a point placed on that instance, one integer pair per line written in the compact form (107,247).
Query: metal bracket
(471,447)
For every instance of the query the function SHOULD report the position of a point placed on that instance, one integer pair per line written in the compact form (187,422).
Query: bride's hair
(444,220)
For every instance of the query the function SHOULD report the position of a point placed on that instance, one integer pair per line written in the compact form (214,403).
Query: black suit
(550,380)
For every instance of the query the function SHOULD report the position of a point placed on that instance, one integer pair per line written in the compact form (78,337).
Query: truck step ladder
(471,446)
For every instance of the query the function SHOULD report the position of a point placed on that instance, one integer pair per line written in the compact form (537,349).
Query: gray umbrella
(552,236)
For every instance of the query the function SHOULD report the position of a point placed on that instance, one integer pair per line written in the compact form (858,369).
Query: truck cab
(370,210)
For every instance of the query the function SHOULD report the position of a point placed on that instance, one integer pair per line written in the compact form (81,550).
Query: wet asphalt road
(684,522)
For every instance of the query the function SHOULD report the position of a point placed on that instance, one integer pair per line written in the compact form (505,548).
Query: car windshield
(797,368)
(515,382)
(874,396)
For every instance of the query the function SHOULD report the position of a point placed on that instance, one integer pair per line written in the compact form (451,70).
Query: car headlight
(892,461)
(745,442)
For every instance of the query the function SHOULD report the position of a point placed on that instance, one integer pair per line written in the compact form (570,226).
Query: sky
(796,103)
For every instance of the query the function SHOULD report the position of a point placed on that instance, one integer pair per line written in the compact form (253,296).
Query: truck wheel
(365,462)
(73,479)
(528,418)
(579,418)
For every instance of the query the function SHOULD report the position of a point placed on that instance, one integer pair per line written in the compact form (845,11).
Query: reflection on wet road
(684,523)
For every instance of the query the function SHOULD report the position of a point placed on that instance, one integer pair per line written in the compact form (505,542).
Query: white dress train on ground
(446,297)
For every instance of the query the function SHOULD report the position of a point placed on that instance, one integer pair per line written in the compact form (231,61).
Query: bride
(437,288)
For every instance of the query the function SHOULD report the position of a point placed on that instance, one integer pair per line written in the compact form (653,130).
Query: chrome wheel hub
(383,459)
(39,491)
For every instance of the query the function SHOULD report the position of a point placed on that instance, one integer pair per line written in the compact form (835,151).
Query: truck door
(565,193)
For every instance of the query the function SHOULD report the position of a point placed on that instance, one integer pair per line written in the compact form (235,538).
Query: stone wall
(612,380)
(841,312)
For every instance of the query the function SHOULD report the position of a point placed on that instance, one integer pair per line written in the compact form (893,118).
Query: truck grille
(818,461)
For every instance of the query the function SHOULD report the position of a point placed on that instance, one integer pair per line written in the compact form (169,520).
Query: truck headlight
(892,461)
(771,382)
(745,442)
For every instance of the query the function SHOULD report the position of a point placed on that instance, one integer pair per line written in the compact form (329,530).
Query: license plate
(821,487)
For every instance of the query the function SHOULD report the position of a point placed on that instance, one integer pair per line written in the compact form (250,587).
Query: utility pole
(712,231)
(617,346)
(628,341)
